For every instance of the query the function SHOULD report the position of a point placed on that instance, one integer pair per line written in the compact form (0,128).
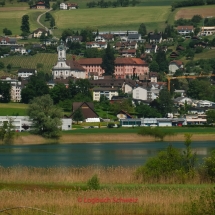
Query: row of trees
(106,4)
(187,3)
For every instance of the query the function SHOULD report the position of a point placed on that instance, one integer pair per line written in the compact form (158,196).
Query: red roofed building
(184,30)
(124,67)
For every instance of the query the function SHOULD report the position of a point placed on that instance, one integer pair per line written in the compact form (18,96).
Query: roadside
(47,29)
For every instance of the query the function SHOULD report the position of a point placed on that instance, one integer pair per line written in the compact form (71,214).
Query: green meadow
(122,18)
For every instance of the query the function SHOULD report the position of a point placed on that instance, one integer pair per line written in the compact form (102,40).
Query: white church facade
(67,68)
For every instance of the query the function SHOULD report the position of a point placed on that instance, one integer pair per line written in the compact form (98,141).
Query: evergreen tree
(52,22)
(5,89)
(25,27)
(108,61)
(142,30)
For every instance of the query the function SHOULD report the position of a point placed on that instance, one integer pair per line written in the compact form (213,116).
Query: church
(67,68)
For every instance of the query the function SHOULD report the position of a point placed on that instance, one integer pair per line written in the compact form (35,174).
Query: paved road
(38,20)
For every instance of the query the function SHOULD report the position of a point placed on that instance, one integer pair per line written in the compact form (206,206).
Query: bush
(93,183)
(209,166)
(155,132)
(110,125)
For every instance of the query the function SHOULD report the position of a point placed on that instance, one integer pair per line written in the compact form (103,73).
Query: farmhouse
(68,6)
(38,5)
(67,68)
(184,30)
(37,33)
(208,30)
(7,41)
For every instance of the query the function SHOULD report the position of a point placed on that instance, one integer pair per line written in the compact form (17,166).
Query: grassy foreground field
(65,191)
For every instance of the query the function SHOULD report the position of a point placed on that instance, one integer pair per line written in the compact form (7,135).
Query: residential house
(50,42)
(196,119)
(127,53)
(16,87)
(134,37)
(204,103)
(154,90)
(67,68)
(21,49)
(126,45)
(7,41)
(104,38)
(139,93)
(107,92)
(150,48)
(185,30)
(37,33)
(25,73)
(180,101)
(153,76)
(63,6)
(124,67)
(175,65)
(87,109)
(129,85)
(98,45)
(155,38)
(74,39)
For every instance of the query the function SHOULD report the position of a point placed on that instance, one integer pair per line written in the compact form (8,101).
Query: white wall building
(67,68)
(25,73)
(20,121)
(107,92)
(140,93)
(63,6)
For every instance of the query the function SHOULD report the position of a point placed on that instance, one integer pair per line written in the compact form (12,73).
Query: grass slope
(47,59)
(11,18)
(13,109)
(113,18)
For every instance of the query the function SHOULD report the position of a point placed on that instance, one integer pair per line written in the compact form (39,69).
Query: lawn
(11,18)
(113,18)
(13,109)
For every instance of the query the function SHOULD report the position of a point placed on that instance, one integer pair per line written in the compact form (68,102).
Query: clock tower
(61,52)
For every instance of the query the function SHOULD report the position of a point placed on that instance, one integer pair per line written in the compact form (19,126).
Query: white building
(25,73)
(175,65)
(98,45)
(67,68)
(63,6)
(22,123)
(140,93)
(207,30)
(184,30)
(107,92)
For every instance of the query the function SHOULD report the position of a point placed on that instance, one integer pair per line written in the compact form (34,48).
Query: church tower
(61,52)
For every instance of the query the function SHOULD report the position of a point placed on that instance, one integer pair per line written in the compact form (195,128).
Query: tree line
(189,3)
(106,4)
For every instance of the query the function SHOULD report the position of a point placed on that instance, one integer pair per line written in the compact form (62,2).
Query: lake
(102,154)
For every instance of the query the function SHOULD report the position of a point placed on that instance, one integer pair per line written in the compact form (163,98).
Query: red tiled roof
(40,3)
(177,62)
(5,38)
(188,27)
(74,65)
(98,61)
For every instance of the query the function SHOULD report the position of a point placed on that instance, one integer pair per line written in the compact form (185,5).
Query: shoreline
(105,138)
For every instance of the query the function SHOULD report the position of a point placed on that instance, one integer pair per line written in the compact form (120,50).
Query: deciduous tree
(45,116)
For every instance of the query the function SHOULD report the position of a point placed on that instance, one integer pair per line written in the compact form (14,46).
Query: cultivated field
(126,18)
(47,59)
(189,12)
